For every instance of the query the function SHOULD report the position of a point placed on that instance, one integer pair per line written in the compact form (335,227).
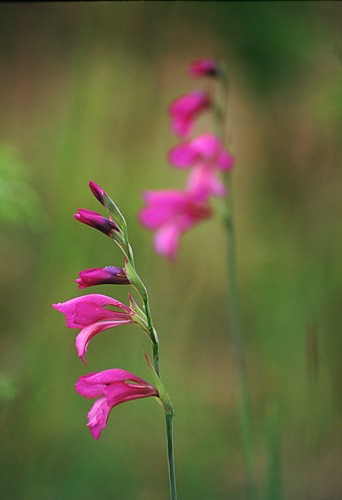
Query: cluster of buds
(172,212)
(95,313)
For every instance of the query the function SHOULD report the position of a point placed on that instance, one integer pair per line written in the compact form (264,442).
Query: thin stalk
(153,335)
(142,291)
(170,456)
(166,402)
(244,403)
(238,352)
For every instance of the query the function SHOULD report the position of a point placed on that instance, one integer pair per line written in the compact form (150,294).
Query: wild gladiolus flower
(206,148)
(112,387)
(205,155)
(203,67)
(170,214)
(185,109)
(101,276)
(90,314)
(97,221)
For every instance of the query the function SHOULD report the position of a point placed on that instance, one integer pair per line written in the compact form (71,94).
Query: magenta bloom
(102,276)
(204,149)
(170,214)
(90,314)
(96,220)
(112,387)
(205,155)
(185,109)
(203,67)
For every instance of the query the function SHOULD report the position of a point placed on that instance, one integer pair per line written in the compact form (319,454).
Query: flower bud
(204,67)
(96,221)
(105,200)
(102,276)
(97,191)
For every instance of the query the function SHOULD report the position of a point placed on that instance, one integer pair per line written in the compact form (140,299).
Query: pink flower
(185,109)
(170,214)
(203,67)
(113,387)
(204,149)
(203,181)
(89,313)
(205,155)
(96,220)
(101,276)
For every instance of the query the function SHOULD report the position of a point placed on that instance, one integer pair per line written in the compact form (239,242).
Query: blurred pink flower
(206,148)
(203,67)
(205,155)
(101,276)
(88,312)
(203,181)
(170,213)
(113,387)
(185,109)
(96,221)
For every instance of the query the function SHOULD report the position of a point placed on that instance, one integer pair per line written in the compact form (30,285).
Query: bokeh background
(84,91)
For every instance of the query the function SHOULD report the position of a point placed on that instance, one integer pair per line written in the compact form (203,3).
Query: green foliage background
(84,91)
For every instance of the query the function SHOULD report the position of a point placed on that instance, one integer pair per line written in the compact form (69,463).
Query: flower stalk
(170,213)
(244,403)
(170,455)
(94,313)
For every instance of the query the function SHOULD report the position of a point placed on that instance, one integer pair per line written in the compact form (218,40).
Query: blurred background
(84,91)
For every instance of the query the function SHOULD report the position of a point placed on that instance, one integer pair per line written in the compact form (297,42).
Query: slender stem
(153,334)
(166,402)
(234,307)
(170,456)
(238,352)
(167,406)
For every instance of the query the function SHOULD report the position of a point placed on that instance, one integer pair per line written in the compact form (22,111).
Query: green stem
(170,456)
(238,352)
(153,334)
(166,402)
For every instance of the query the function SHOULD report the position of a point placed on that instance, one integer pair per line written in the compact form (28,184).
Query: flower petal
(98,416)
(204,182)
(166,240)
(82,311)
(93,384)
(116,386)
(85,335)
(184,110)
